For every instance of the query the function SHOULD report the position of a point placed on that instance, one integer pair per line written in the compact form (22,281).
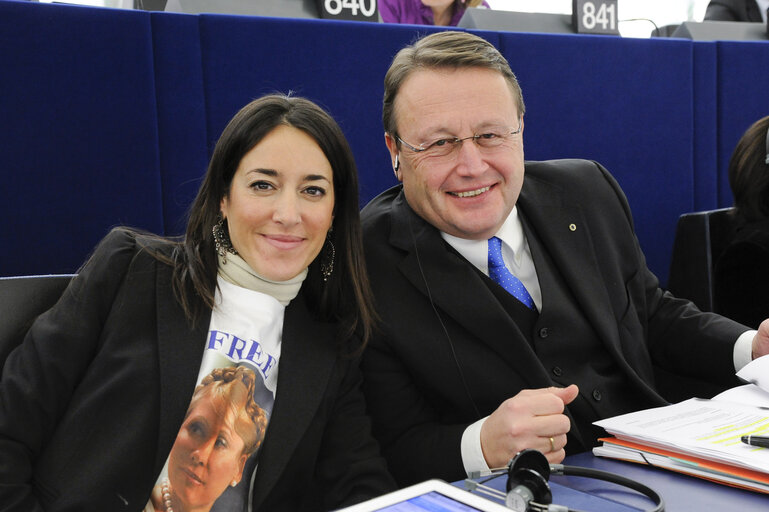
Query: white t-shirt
(206,463)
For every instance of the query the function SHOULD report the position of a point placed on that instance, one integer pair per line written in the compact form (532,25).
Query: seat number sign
(594,16)
(359,10)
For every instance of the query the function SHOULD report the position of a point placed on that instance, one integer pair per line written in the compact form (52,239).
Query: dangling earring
(222,239)
(327,263)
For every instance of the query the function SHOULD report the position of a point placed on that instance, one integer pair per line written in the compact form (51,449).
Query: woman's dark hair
(346,295)
(749,173)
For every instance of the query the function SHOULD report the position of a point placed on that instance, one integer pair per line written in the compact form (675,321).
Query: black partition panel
(508,21)
(721,31)
(278,8)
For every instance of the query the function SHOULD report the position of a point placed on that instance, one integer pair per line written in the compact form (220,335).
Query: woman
(224,426)
(269,276)
(426,12)
(742,270)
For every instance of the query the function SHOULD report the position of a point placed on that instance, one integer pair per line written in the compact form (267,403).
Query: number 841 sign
(594,16)
(360,10)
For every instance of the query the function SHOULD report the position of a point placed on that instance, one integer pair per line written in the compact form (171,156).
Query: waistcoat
(570,351)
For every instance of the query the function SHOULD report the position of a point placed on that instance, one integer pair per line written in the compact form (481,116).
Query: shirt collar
(477,251)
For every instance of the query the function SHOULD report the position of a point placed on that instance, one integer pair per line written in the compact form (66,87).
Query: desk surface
(680,492)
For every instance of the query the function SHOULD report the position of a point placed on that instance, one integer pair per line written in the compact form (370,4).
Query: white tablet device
(431,495)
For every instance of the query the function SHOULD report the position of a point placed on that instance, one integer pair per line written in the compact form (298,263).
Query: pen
(761,441)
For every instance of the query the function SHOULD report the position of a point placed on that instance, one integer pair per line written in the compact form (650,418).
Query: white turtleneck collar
(236,271)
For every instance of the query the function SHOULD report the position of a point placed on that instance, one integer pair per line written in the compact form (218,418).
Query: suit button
(543,332)
(596,395)
(557,371)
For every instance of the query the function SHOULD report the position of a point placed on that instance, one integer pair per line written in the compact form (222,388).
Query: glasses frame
(456,142)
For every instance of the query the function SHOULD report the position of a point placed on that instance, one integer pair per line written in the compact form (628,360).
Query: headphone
(528,490)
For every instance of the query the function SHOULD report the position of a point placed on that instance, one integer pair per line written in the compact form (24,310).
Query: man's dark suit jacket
(447,352)
(92,401)
(733,10)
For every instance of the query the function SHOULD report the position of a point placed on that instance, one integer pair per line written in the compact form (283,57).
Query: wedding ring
(552,444)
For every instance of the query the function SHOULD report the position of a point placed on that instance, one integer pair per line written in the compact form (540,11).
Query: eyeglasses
(444,147)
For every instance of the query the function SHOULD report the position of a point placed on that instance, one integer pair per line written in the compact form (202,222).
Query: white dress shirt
(517,256)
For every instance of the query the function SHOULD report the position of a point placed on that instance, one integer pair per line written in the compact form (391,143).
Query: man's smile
(471,193)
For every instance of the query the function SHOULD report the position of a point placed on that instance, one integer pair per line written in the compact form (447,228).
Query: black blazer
(733,10)
(92,401)
(448,353)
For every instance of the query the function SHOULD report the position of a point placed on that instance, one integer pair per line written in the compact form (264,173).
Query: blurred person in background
(737,10)
(426,12)
(742,270)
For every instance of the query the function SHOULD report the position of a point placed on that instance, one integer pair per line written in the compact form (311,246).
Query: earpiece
(438,316)
(528,490)
(396,166)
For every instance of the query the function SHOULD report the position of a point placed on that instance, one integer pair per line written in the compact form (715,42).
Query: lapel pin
(572,227)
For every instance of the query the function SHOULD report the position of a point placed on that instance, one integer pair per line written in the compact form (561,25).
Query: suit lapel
(454,286)
(560,224)
(180,351)
(308,354)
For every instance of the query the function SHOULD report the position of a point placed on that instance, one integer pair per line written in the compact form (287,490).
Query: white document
(756,392)
(701,428)
(710,429)
(749,394)
(756,372)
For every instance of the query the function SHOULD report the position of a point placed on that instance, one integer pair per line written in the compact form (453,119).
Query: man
(464,374)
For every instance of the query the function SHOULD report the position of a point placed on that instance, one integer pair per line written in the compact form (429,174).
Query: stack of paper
(701,437)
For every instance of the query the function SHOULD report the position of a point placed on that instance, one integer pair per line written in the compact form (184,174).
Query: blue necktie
(499,273)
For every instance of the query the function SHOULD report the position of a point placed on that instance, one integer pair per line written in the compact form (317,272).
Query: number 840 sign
(361,10)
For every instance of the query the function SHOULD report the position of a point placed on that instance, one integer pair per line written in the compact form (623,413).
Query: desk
(680,492)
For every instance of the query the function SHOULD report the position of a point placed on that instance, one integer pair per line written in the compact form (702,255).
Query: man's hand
(529,420)
(761,340)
